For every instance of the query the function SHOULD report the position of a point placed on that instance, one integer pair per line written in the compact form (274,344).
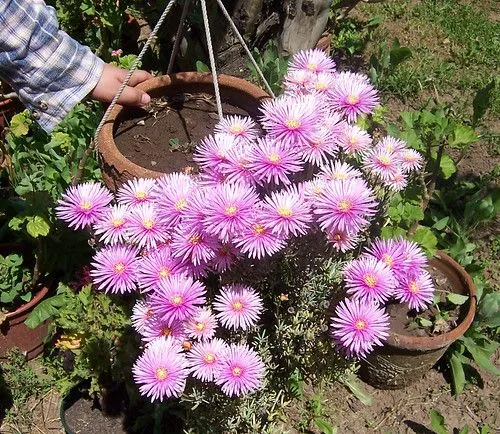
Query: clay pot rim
(30,304)
(106,143)
(423,343)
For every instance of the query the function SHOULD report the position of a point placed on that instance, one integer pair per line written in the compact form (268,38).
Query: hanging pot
(117,169)
(405,359)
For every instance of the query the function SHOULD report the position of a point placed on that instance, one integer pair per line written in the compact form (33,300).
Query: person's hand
(111,79)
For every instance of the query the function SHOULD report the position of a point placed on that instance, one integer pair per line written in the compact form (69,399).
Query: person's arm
(50,71)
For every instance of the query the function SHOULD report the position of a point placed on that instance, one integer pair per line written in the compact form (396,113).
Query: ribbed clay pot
(405,359)
(117,169)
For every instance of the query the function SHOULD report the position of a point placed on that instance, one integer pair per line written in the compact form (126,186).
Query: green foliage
(15,282)
(351,36)
(438,425)
(272,65)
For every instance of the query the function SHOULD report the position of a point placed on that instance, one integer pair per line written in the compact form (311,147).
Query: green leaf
(324,426)
(464,430)
(463,135)
(458,375)
(45,310)
(425,322)
(457,299)
(399,55)
(19,125)
(201,67)
(480,356)
(437,422)
(38,226)
(441,224)
(392,232)
(356,387)
(447,166)
(426,238)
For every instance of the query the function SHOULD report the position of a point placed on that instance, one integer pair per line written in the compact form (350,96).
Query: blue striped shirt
(50,71)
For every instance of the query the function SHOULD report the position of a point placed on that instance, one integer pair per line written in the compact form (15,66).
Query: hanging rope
(245,46)
(178,37)
(211,57)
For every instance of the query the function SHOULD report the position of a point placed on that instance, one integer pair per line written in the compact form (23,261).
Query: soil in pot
(162,136)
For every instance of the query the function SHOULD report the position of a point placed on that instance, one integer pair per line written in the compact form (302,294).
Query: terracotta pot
(405,359)
(8,107)
(117,169)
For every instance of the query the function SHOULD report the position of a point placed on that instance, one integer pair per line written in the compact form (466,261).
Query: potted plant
(158,139)
(237,266)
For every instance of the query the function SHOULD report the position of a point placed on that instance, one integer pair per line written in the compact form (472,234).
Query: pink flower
(257,240)
(397,181)
(342,241)
(338,171)
(382,163)
(111,227)
(353,97)
(238,306)
(392,253)
(213,150)
(136,191)
(194,245)
(237,167)
(417,291)
(410,160)
(240,127)
(82,205)
(145,228)
(286,212)
(314,60)
(226,255)
(141,314)
(415,258)
(114,269)
(368,279)
(391,145)
(157,267)
(318,149)
(359,326)
(298,82)
(205,357)
(230,210)
(354,140)
(272,161)
(322,83)
(155,328)
(161,370)
(293,120)
(177,298)
(345,206)
(201,325)
(241,371)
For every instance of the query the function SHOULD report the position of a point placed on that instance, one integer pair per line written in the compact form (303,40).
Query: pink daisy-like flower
(257,240)
(382,163)
(391,144)
(354,140)
(213,150)
(353,97)
(177,298)
(111,227)
(212,177)
(320,147)
(240,127)
(313,188)
(415,258)
(237,167)
(334,123)
(204,358)
(226,255)
(241,371)
(286,212)
(314,60)
(230,210)
(238,306)
(136,191)
(417,291)
(114,269)
(410,160)
(272,161)
(322,83)
(156,267)
(297,82)
(155,328)
(397,181)
(201,325)
(161,370)
(293,120)
(342,241)
(141,315)
(368,279)
(391,252)
(145,228)
(194,245)
(338,171)
(359,326)
(345,206)
(172,196)
(82,205)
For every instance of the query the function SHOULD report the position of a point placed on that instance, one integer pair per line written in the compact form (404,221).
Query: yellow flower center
(238,306)
(236,129)
(231,210)
(344,205)
(148,224)
(387,259)
(312,66)
(353,99)
(195,239)
(413,287)
(117,222)
(119,267)
(180,205)
(85,205)
(339,176)
(161,374)
(177,300)
(140,195)
(385,160)
(209,358)
(353,140)
(284,211)
(236,371)
(199,326)
(292,124)
(274,158)
(320,85)
(337,237)
(259,229)
(370,280)
(409,157)
(166,331)
(164,272)
(360,324)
